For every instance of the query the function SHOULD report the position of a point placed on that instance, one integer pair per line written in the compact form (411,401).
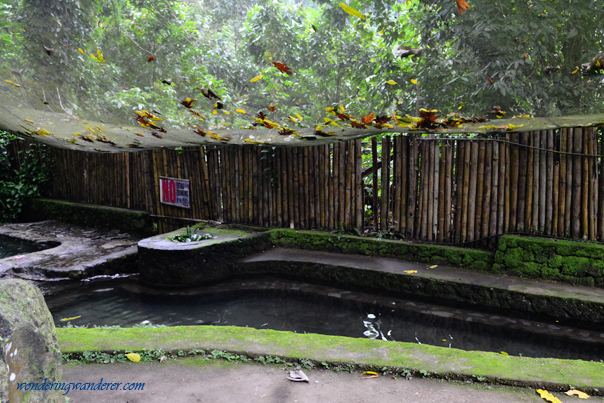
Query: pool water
(10,246)
(293,306)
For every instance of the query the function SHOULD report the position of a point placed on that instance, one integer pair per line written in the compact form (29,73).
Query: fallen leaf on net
(433,266)
(410,271)
(581,395)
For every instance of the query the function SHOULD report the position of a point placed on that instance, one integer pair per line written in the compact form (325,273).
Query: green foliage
(190,236)
(17,186)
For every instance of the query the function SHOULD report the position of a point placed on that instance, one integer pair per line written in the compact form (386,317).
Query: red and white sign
(174,192)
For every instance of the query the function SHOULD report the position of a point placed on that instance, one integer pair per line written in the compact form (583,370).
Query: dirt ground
(202,380)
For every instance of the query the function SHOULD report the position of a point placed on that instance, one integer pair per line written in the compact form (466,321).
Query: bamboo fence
(447,190)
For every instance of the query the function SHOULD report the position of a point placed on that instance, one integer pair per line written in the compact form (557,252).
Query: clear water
(10,246)
(285,307)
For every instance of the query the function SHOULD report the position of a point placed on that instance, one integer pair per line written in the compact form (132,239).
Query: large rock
(29,349)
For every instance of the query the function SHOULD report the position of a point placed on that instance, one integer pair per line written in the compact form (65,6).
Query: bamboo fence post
(430,191)
(536,181)
(385,182)
(508,188)
(486,208)
(514,155)
(404,183)
(436,180)
(459,175)
(349,161)
(440,231)
(331,162)
(502,189)
(448,202)
(550,183)
(530,176)
(291,196)
(420,189)
(562,182)
(598,163)
(466,190)
(585,187)
(522,183)
(424,183)
(542,180)
(593,185)
(494,193)
(482,147)
(577,171)
(374,192)
(358,186)
(556,198)
(412,194)
(569,184)
(396,203)
(322,187)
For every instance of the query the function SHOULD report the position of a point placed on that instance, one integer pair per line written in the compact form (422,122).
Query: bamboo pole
(404,183)
(542,181)
(514,155)
(374,192)
(593,185)
(472,191)
(523,158)
(459,176)
(494,194)
(482,148)
(448,190)
(342,184)
(536,182)
(556,197)
(466,190)
(440,233)
(530,184)
(576,195)
(562,183)
(358,186)
(508,189)
(349,161)
(549,192)
(331,160)
(291,195)
(436,179)
(598,162)
(396,211)
(486,209)
(385,183)
(430,191)
(585,187)
(424,183)
(412,193)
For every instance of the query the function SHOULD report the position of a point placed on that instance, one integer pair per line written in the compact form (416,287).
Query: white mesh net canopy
(119,75)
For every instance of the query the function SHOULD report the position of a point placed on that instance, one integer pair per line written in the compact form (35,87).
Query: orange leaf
(462,6)
(368,118)
(282,67)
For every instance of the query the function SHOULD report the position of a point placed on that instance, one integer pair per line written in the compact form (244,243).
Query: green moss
(365,353)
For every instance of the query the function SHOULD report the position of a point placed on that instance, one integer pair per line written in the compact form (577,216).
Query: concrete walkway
(203,380)
(536,287)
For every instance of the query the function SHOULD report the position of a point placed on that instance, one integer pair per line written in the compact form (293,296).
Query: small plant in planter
(189,236)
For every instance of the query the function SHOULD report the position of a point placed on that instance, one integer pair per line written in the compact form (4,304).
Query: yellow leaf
(28,121)
(413,81)
(253,80)
(369,373)
(410,271)
(548,397)
(94,57)
(576,70)
(319,128)
(240,111)
(293,119)
(597,63)
(77,134)
(504,353)
(68,319)
(342,110)
(98,52)
(81,51)
(582,395)
(298,116)
(330,109)
(10,82)
(133,357)
(433,267)
(391,82)
(214,112)
(460,106)
(43,132)
(227,113)
(352,11)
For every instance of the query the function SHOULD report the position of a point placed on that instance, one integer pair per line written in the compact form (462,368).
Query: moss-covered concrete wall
(89,215)
(551,259)
(472,259)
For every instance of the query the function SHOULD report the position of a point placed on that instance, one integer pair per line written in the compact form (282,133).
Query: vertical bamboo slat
(549,192)
(385,184)
(482,148)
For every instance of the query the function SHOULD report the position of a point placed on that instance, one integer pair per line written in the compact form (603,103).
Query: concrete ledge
(90,215)
(448,363)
